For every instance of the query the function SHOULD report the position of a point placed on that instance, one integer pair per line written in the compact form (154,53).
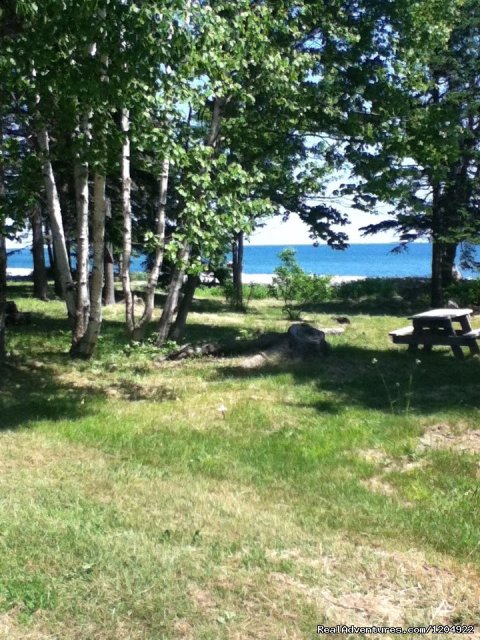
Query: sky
(294,231)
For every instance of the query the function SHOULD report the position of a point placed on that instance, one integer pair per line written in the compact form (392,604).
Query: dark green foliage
(465,292)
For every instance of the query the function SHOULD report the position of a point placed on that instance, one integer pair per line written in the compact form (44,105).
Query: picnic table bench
(436,327)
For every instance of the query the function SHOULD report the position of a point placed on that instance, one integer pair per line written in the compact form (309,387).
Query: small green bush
(293,285)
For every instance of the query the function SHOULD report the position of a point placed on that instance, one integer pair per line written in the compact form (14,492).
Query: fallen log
(300,341)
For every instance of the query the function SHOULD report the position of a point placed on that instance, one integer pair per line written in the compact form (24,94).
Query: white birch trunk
(109,284)
(171,302)
(83,302)
(85,347)
(139,331)
(127,222)
(56,226)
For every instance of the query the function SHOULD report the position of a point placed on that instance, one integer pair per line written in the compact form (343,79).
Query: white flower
(417,362)
(374,361)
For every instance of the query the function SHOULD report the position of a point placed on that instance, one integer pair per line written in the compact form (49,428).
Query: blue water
(372,260)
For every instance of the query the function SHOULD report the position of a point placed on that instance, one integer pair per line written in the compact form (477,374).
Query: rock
(306,341)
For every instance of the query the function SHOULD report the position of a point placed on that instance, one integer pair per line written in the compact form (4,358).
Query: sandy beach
(247,278)
(266,278)
(17,272)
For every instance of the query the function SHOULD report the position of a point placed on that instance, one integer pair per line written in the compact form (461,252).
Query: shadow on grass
(30,395)
(200,332)
(375,379)
(371,307)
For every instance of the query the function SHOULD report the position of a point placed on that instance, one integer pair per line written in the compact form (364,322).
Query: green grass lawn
(130,507)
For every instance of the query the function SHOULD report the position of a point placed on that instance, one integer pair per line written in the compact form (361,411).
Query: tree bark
(173,295)
(139,331)
(127,222)
(108,263)
(3,253)
(448,264)
(3,293)
(52,263)
(436,283)
(40,283)
(177,330)
(237,268)
(85,347)
(83,301)
(56,225)
(436,291)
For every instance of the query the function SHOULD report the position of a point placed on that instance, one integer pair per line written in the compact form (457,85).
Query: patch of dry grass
(164,557)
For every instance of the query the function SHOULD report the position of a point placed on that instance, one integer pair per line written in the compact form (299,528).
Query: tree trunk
(237,268)
(173,295)
(139,331)
(109,286)
(109,268)
(436,290)
(177,330)
(127,222)
(48,238)
(40,284)
(85,347)
(56,225)
(448,264)
(3,253)
(83,302)
(52,263)
(3,294)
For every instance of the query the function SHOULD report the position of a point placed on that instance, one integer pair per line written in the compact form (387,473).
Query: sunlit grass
(133,508)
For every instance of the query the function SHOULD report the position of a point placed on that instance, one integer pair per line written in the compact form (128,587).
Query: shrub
(465,292)
(371,287)
(293,285)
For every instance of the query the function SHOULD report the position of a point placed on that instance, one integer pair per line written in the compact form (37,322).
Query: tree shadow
(201,332)
(370,306)
(380,380)
(29,395)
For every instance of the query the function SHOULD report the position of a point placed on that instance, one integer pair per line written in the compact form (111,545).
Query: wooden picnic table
(436,327)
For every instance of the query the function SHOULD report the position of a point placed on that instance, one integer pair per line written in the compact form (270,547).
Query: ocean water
(371,260)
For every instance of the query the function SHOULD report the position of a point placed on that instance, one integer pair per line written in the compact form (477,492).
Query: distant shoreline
(267,278)
(247,278)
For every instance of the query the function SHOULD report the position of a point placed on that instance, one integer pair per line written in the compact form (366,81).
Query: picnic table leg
(473,346)
(457,351)
(465,324)
(413,347)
